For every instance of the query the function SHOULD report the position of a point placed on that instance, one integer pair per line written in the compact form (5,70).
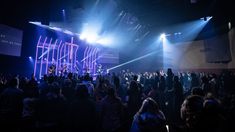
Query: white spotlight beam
(136,59)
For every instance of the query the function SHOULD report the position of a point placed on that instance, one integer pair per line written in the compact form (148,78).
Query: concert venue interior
(115,44)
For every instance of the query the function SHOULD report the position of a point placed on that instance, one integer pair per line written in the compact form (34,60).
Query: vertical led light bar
(57,58)
(48,55)
(88,58)
(36,56)
(92,60)
(68,54)
(61,51)
(41,62)
(75,58)
(53,52)
(84,57)
(96,51)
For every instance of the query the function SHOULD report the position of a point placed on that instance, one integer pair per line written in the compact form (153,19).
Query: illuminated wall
(192,55)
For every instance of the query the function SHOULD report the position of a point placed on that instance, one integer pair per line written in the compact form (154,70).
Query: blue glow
(106,41)
(68,32)
(30,59)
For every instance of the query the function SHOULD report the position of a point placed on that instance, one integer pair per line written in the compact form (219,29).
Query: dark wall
(21,64)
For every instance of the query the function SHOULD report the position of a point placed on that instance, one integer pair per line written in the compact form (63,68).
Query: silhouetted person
(134,98)
(32,86)
(81,115)
(191,113)
(29,119)
(112,112)
(149,118)
(51,109)
(213,120)
(169,79)
(68,90)
(194,81)
(11,106)
(197,91)
(178,95)
(162,88)
(206,85)
(170,94)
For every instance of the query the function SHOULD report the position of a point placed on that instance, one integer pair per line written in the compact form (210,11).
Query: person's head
(14,82)
(70,75)
(55,88)
(87,77)
(204,79)
(81,91)
(133,85)
(110,91)
(135,77)
(191,110)
(211,106)
(150,118)
(169,72)
(149,105)
(176,79)
(197,91)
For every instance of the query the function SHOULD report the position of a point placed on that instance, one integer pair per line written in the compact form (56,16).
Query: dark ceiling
(153,13)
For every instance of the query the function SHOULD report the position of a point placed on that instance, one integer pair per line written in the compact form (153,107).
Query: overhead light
(206,18)
(229,25)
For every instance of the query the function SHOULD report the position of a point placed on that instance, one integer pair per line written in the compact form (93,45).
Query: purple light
(84,57)
(54,50)
(57,60)
(48,55)
(43,46)
(35,65)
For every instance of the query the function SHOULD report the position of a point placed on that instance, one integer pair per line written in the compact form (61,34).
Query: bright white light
(229,25)
(105,41)
(163,36)
(209,17)
(55,28)
(68,32)
(82,36)
(36,23)
(90,34)
(92,38)
(206,18)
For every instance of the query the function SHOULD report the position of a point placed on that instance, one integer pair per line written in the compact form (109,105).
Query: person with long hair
(149,118)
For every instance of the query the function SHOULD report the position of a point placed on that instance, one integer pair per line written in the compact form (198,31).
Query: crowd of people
(123,101)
